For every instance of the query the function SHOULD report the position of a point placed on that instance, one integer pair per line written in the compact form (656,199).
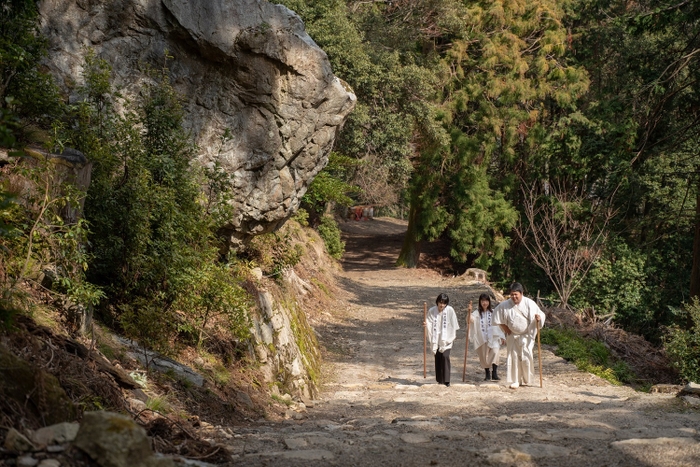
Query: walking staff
(539,351)
(466,346)
(425,337)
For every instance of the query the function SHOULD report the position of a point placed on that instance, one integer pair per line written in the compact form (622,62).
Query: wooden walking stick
(425,336)
(466,346)
(539,350)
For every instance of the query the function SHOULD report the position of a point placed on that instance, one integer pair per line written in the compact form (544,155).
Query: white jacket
(441,328)
(493,337)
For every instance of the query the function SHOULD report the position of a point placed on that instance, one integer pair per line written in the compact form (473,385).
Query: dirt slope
(377,409)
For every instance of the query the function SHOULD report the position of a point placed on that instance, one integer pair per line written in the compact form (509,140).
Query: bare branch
(562,238)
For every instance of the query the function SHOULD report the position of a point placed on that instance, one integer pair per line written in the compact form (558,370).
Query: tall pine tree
(504,74)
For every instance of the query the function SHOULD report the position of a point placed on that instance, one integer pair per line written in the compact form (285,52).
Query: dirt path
(378,410)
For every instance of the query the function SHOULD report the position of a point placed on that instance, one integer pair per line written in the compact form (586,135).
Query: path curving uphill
(377,409)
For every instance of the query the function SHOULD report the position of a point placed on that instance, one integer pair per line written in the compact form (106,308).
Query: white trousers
(487,356)
(521,361)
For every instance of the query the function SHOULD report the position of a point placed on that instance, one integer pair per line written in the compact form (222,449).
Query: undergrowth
(682,343)
(589,355)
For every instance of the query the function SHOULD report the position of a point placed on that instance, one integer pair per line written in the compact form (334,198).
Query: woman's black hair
(516,287)
(442,298)
(485,296)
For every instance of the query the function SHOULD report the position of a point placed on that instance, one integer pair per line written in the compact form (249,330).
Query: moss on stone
(23,382)
(306,342)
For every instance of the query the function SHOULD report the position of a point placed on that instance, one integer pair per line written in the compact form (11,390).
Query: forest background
(555,142)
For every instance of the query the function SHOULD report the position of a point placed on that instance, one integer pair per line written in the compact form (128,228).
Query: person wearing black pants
(442,367)
(441,326)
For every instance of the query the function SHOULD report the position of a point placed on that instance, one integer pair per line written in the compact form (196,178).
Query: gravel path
(377,409)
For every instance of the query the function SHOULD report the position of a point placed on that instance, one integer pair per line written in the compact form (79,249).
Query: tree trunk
(695,272)
(410,251)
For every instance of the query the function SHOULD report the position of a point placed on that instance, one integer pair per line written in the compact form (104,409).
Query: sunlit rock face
(243,65)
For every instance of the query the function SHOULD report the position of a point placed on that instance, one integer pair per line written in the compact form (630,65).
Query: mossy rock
(23,382)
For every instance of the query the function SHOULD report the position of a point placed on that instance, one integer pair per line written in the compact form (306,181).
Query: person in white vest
(486,337)
(441,324)
(519,318)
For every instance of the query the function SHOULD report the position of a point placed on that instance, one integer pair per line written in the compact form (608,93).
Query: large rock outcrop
(243,65)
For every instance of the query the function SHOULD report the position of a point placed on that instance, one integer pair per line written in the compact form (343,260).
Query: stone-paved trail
(377,409)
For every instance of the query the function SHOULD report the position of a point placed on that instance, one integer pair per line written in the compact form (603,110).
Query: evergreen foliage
(508,84)
(616,287)
(34,233)
(155,252)
(329,187)
(330,233)
(639,146)
(25,90)
(683,344)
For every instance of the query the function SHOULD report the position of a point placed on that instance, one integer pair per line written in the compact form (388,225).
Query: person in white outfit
(441,325)
(486,337)
(519,317)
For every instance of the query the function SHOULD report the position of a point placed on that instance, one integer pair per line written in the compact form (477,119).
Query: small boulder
(691,400)
(17,442)
(245,399)
(664,389)
(140,395)
(34,388)
(56,434)
(26,461)
(136,405)
(691,388)
(114,440)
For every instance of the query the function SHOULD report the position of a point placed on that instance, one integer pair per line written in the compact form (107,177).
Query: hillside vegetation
(554,143)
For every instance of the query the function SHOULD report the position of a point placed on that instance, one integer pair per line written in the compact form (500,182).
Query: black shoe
(447,384)
(488,374)
(494,375)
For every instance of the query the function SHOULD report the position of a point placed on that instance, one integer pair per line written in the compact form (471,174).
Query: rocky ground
(376,408)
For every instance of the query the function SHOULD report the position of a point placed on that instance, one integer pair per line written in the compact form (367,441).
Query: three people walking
(515,322)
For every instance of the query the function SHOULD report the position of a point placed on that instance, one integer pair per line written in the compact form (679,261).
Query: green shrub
(302,217)
(616,284)
(152,237)
(275,251)
(588,355)
(32,232)
(330,233)
(213,293)
(682,343)
(27,90)
(329,187)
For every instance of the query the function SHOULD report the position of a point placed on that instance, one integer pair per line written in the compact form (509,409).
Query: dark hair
(442,298)
(485,296)
(516,287)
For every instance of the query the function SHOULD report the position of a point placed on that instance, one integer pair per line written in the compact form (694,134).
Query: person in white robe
(519,318)
(486,338)
(441,326)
